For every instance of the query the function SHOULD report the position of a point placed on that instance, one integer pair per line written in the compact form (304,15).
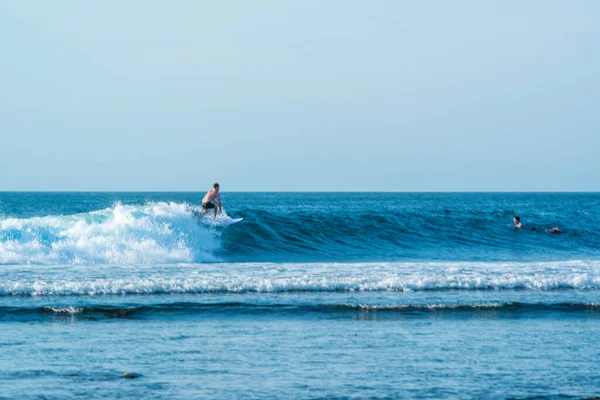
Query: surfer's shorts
(208,206)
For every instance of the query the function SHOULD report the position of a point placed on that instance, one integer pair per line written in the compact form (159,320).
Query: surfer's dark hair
(216,185)
(518,218)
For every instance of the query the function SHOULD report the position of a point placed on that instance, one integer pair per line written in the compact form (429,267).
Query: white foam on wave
(275,278)
(65,310)
(150,233)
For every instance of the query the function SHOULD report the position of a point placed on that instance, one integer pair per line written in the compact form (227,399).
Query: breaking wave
(151,233)
(171,232)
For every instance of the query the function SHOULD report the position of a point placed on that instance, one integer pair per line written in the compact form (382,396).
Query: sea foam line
(93,280)
(165,285)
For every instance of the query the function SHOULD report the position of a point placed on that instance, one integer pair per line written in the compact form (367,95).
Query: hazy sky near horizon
(306,95)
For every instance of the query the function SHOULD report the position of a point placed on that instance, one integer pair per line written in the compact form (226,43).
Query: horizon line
(301,191)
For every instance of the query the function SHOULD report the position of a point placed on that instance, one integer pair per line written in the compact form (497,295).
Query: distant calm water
(335,295)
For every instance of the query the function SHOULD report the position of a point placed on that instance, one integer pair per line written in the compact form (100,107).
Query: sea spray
(150,233)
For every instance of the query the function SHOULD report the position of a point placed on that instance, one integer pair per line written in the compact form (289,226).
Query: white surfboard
(219,220)
(229,221)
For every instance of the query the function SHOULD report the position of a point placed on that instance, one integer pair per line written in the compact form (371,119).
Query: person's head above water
(216,186)
(517,222)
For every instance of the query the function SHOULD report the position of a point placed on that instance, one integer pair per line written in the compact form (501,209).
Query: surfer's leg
(207,207)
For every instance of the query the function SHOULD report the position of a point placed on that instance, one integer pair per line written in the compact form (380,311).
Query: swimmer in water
(517,224)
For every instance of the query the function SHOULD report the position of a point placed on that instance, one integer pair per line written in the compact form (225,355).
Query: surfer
(209,200)
(519,225)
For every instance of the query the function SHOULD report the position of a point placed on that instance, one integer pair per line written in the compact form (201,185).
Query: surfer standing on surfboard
(209,200)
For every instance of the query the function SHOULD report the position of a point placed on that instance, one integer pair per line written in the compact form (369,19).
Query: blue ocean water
(312,295)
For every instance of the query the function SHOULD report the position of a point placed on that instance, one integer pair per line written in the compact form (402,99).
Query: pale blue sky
(303,95)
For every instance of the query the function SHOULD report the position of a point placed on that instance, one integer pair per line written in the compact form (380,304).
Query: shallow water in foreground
(311,296)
